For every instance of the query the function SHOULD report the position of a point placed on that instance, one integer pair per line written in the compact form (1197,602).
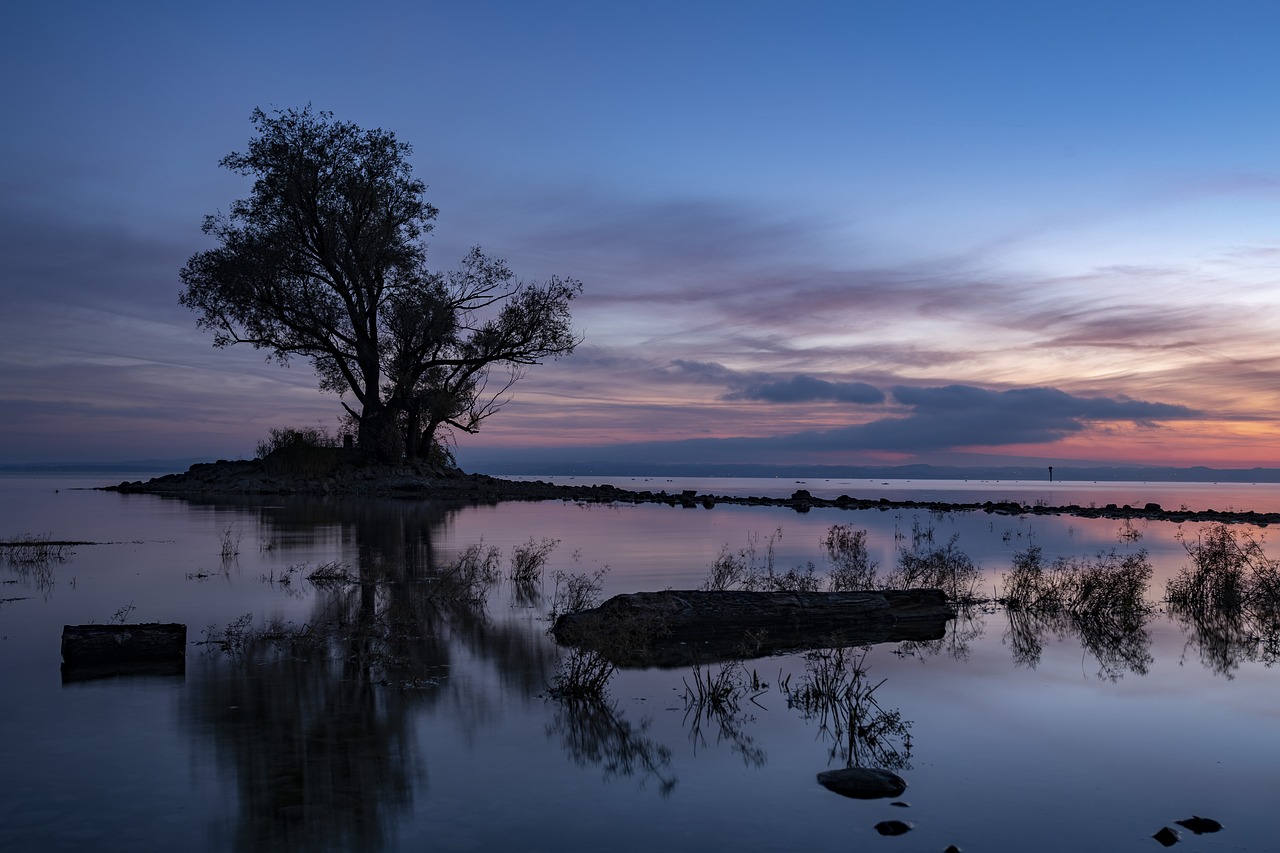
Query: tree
(326,259)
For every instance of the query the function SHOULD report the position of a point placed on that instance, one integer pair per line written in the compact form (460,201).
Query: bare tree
(326,259)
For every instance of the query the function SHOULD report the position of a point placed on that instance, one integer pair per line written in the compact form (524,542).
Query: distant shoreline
(256,477)
(1063,473)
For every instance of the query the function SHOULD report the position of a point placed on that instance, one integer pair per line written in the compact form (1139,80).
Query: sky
(824,233)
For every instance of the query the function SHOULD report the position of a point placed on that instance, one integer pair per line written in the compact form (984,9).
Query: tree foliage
(326,259)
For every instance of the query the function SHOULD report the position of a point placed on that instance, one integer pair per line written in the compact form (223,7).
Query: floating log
(675,627)
(116,644)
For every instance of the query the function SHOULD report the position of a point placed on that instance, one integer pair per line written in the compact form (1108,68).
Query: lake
(369,711)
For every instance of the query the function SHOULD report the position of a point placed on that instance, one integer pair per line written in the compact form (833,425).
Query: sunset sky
(838,233)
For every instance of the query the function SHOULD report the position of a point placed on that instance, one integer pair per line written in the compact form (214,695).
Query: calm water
(433,729)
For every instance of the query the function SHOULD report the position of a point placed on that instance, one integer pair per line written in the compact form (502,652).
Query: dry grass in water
(1228,599)
(927,565)
(528,561)
(852,567)
(1228,570)
(577,591)
(1102,601)
(230,543)
(29,550)
(1109,582)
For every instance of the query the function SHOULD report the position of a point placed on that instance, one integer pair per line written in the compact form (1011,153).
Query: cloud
(955,416)
(802,389)
(940,418)
(771,388)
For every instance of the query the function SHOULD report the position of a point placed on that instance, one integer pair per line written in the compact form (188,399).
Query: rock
(1168,837)
(893,827)
(863,783)
(1200,825)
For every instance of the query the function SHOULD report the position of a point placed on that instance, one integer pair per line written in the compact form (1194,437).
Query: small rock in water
(1200,825)
(863,783)
(900,804)
(1166,836)
(893,827)
(951,848)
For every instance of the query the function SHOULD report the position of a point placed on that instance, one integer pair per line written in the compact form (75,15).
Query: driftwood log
(98,645)
(677,627)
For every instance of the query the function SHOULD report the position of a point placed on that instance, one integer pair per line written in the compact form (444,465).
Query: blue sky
(808,232)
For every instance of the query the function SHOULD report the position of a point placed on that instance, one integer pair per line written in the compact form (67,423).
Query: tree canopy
(327,259)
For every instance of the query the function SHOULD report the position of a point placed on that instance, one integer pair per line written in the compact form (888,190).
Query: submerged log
(112,644)
(675,627)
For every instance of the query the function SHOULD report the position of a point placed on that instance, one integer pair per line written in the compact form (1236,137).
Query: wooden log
(99,644)
(676,627)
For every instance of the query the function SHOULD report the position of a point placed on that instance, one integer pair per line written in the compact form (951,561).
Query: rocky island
(341,472)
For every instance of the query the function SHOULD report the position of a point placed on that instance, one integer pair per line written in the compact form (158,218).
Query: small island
(338,471)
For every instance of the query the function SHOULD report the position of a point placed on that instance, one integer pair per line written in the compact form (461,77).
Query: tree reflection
(314,721)
(1227,637)
(836,690)
(1120,642)
(715,699)
(594,733)
(321,758)
(968,625)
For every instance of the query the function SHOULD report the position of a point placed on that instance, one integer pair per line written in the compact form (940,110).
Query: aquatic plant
(798,579)
(928,565)
(332,573)
(852,566)
(1228,599)
(1101,600)
(528,561)
(469,578)
(576,591)
(229,543)
(32,550)
(1228,569)
(743,568)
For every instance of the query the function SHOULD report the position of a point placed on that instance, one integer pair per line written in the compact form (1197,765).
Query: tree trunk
(379,438)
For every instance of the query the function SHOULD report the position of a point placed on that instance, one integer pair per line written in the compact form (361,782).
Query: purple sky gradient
(820,232)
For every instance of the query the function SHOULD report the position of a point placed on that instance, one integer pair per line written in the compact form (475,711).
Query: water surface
(431,725)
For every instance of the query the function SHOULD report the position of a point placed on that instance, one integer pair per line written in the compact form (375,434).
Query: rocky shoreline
(422,481)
